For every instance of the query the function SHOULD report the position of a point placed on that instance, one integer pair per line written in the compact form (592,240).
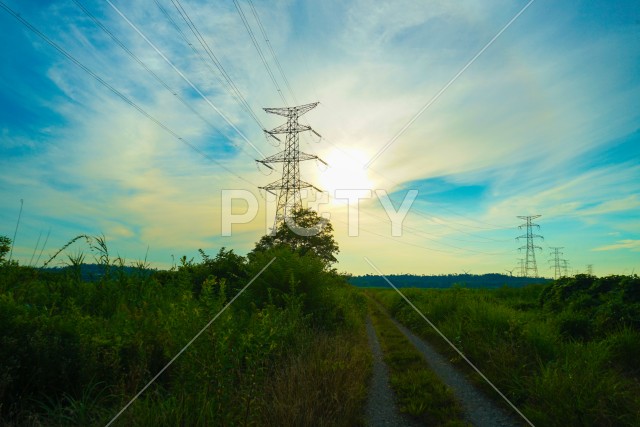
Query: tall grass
(74,352)
(556,379)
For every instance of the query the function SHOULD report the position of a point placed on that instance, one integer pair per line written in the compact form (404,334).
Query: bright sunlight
(345,172)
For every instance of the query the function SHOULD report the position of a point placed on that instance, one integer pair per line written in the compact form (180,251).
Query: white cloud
(633,245)
(517,120)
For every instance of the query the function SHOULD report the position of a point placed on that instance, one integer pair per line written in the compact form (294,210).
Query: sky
(128,129)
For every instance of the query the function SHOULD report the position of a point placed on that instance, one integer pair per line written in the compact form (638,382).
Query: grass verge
(556,380)
(419,392)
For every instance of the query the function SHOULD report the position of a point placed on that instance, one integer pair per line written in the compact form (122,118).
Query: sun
(345,172)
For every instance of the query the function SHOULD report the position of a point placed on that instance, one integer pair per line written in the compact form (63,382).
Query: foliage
(568,361)
(74,352)
(323,293)
(305,232)
(5,247)
(589,305)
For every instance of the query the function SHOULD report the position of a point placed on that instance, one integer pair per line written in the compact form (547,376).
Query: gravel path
(478,409)
(381,406)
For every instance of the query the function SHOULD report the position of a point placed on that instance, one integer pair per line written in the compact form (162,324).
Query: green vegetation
(564,353)
(305,232)
(420,393)
(5,247)
(290,349)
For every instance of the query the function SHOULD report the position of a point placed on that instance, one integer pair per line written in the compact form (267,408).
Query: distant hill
(93,272)
(492,280)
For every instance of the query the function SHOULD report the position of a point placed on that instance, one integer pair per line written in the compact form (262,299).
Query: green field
(292,348)
(565,353)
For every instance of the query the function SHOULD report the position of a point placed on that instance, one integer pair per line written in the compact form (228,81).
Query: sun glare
(345,172)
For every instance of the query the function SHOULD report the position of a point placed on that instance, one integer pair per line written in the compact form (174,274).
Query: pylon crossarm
(264,163)
(304,184)
(285,112)
(276,158)
(267,190)
(288,128)
(290,111)
(305,156)
(302,109)
(270,135)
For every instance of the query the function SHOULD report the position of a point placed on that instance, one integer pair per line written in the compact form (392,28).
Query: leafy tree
(5,247)
(304,232)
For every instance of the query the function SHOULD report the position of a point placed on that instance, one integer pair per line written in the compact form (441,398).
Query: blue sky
(545,121)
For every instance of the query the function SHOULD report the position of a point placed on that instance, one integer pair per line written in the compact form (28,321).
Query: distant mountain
(492,280)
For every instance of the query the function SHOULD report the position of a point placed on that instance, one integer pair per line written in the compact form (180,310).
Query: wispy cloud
(523,123)
(633,245)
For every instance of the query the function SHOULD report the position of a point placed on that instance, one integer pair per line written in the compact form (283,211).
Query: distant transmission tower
(556,261)
(530,259)
(565,267)
(523,273)
(590,269)
(289,186)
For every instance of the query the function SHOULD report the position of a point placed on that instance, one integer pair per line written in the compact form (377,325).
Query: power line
(115,91)
(181,74)
(146,68)
(257,46)
(230,84)
(273,53)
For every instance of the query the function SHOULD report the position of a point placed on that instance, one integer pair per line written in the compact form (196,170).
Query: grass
(326,385)
(419,392)
(556,378)
(291,349)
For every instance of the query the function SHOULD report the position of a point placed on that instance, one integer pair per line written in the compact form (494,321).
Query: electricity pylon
(565,267)
(556,261)
(289,186)
(530,259)
(521,265)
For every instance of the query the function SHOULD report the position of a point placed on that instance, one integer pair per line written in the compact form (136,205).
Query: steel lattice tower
(556,261)
(530,259)
(565,267)
(289,186)
(521,266)
(590,269)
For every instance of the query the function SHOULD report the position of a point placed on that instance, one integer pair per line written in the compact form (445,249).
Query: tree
(5,247)
(304,232)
